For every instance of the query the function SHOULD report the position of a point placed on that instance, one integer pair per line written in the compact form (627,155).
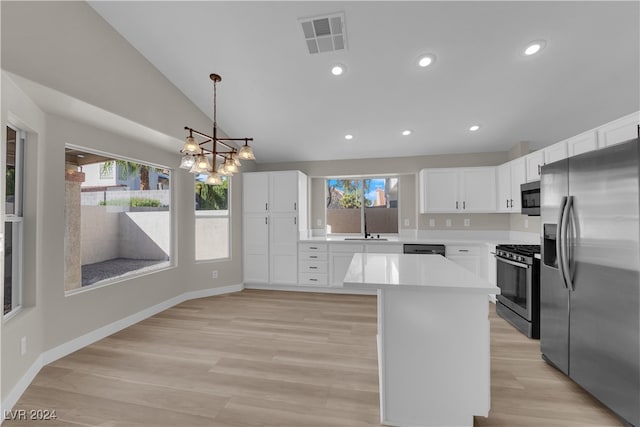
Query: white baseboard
(294,288)
(100,333)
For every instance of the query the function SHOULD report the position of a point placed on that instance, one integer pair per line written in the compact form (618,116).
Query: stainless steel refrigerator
(590,274)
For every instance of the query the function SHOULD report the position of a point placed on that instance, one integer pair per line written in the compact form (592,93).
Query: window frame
(361,179)
(172,262)
(214,214)
(16,219)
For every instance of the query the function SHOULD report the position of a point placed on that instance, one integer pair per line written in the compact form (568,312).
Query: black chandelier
(196,154)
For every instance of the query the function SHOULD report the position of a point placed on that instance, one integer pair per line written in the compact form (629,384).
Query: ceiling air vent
(324,33)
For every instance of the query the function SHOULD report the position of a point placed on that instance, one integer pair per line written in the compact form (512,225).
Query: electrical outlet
(467,222)
(526,223)
(406,222)
(214,274)
(448,222)
(432,222)
(319,222)
(23,346)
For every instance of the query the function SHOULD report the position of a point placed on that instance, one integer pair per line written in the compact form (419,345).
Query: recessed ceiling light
(426,60)
(337,70)
(406,132)
(474,128)
(534,47)
(348,137)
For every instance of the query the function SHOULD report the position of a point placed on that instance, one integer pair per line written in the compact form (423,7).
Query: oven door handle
(517,264)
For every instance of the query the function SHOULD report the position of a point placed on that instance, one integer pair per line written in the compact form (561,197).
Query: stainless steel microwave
(530,198)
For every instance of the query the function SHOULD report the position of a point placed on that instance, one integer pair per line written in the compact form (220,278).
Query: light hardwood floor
(266,358)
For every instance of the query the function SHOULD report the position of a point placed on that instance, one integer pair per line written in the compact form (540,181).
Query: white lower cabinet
(467,256)
(313,264)
(340,255)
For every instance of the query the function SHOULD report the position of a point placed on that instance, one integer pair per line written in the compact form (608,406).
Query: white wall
(67,47)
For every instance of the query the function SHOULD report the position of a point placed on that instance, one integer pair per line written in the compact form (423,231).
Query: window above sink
(367,207)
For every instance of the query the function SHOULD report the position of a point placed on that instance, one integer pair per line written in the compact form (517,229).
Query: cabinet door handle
(511,202)
(266,206)
(313,256)
(313,247)
(539,168)
(295,220)
(313,268)
(266,220)
(464,205)
(463,250)
(507,202)
(313,280)
(295,206)
(456,204)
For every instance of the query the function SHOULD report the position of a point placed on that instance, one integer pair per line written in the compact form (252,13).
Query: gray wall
(68,47)
(407,168)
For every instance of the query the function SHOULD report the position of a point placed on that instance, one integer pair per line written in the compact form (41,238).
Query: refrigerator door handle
(559,235)
(566,271)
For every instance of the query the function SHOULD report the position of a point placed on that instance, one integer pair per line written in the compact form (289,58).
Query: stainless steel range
(518,277)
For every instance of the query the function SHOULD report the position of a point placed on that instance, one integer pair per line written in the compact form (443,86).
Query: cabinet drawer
(462,250)
(311,279)
(313,267)
(312,256)
(312,247)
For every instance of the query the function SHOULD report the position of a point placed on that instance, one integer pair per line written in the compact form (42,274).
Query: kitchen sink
(363,239)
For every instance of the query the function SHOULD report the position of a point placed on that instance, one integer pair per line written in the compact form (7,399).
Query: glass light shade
(187,161)
(230,166)
(201,165)
(236,160)
(191,146)
(213,179)
(246,153)
(222,171)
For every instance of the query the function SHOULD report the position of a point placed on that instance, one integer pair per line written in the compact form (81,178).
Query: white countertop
(426,272)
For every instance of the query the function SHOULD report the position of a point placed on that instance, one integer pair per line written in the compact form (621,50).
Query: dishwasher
(415,248)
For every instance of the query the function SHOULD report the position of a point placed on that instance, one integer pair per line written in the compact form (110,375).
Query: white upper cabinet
(438,190)
(623,129)
(534,161)
(510,176)
(555,152)
(539,158)
(459,190)
(585,142)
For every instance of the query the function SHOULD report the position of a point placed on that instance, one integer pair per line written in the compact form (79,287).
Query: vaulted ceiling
(275,91)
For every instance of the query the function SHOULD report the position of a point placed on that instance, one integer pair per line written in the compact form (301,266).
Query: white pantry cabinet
(620,130)
(458,190)
(274,206)
(510,176)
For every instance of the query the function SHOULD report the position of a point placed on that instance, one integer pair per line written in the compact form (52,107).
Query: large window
(362,205)
(212,219)
(13,220)
(118,218)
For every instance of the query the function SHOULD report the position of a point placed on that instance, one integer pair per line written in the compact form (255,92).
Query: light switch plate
(406,222)
(467,222)
(448,222)
(432,222)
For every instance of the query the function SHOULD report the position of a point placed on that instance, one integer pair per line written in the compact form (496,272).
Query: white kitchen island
(433,338)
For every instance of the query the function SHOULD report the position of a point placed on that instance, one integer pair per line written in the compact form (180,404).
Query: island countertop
(393,271)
